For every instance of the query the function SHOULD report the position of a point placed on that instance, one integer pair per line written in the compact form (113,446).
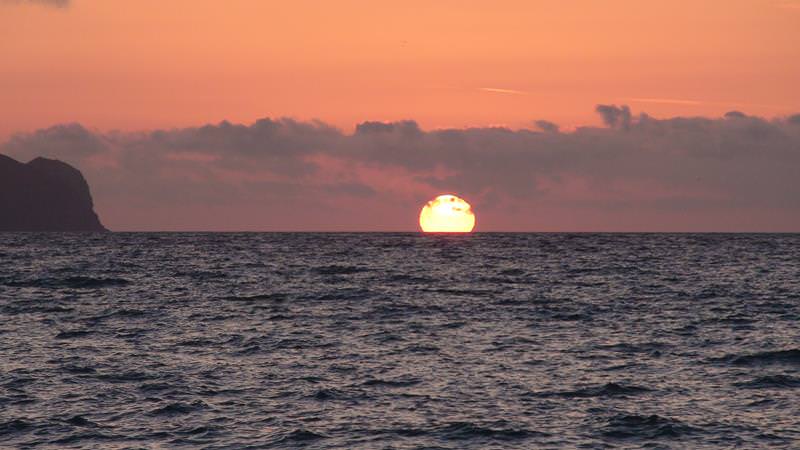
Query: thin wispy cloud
(53,3)
(502,91)
(670,101)
(689,102)
(788,5)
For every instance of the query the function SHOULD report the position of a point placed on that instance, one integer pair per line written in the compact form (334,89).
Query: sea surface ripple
(392,340)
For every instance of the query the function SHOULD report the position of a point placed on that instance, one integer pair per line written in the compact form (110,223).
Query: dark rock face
(44,195)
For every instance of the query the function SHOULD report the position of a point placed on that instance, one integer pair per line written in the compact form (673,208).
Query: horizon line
(394,232)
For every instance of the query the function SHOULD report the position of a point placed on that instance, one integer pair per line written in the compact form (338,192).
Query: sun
(447,214)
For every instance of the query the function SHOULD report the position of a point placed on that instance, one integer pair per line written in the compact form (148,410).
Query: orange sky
(114,64)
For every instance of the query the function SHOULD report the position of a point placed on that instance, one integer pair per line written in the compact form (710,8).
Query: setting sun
(447,214)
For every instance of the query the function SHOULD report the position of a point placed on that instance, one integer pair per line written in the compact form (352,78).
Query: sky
(350,115)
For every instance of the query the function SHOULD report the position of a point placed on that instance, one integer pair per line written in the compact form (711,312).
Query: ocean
(399,340)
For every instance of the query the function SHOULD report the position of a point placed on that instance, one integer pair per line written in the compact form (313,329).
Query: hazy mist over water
(379,340)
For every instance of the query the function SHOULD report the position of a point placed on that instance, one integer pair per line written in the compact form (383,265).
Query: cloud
(547,126)
(670,101)
(686,102)
(735,115)
(406,127)
(734,172)
(615,116)
(53,3)
(503,91)
(70,140)
(789,5)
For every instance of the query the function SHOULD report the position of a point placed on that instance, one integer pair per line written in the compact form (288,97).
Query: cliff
(44,195)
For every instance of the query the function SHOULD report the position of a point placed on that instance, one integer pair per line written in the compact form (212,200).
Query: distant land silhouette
(44,195)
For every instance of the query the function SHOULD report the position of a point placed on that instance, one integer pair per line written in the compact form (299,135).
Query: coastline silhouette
(45,195)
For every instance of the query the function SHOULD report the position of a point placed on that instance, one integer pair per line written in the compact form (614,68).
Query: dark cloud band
(673,166)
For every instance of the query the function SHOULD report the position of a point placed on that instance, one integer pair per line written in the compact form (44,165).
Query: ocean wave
(272,297)
(346,294)
(14,426)
(336,269)
(512,272)
(499,430)
(155,387)
(73,334)
(195,342)
(70,282)
(29,308)
(201,275)
(78,369)
(179,408)
(400,382)
(126,376)
(641,347)
(463,292)
(605,390)
(296,436)
(408,278)
(123,313)
(790,356)
(626,426)
(326,394)
(80,421)
(770,382)
(83,436)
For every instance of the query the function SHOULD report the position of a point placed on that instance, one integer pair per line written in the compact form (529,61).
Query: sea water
(373,340)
